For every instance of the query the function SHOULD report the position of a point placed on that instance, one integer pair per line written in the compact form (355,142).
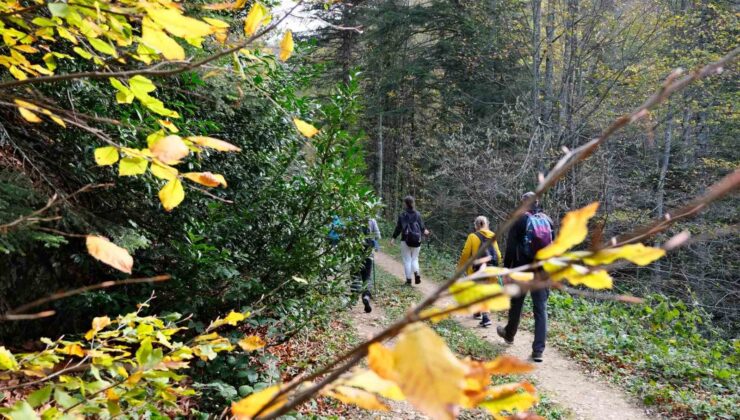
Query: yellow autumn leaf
(257,15)
(372,382)
(29,115)
(468,291)
(251,343)
(232,319)
(105,156)
(358,397)
(132,166)
(507,365)
(305,128)
(163,171)
(428,373)
(226,6)
(247,408)
(169,125)
(17,73)
(636,253)
(380,360)
(156,39)
(286,46)
(599,279)
(174,22)
(518,402)
(172,194)
(109,253)
(98,324)
(522,276)
(7,360)
(435,314)
(170,149)
(573,231)
(212,143)
(206,178)
(73,350)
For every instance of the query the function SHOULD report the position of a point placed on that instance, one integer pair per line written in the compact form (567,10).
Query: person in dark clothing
(362,279)
(519,252)
(411,228)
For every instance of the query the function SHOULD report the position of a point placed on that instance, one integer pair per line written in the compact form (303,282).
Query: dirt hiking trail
(587,396)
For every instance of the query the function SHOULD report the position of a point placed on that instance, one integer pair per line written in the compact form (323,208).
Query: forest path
(587,396)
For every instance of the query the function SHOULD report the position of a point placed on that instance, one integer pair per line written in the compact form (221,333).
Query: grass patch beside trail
(396,298)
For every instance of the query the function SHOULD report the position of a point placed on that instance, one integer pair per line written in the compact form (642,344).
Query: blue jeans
(539,302)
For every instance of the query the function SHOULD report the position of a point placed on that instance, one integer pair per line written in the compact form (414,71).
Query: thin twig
(103,285)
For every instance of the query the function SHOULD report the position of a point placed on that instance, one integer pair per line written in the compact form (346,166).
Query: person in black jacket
(516,255)
(411,228)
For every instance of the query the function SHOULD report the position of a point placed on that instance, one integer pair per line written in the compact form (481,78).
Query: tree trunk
(379,178)
(550,34)
(536,21)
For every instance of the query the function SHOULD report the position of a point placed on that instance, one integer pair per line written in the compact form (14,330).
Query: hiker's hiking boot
(417,278)
(501,331)
(485,321)
(408,282)
(366,302)
(476,315)
(537,356)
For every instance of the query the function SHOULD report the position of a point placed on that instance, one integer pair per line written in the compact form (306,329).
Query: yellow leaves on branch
(286,46)
(109,253)
(467,292)
(28,112)
(7,360)
(562,265)
(423,370)
(573,231)
(305,128)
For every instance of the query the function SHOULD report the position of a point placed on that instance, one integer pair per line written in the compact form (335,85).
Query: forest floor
(584,395)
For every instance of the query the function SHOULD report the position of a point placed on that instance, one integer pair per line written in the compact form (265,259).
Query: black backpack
(412,229)
(489,252)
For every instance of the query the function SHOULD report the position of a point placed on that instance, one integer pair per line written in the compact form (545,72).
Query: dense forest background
(467,102)
(463,104)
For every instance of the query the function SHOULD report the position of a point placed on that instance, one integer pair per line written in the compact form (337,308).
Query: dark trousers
(539,302)
(362,279)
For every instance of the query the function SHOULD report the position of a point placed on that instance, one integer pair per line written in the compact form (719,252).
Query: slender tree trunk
(379,177)
(550,34)
(664,163)
(536,22)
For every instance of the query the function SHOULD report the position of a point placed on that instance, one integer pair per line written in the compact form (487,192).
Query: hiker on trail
(411,228)
(532,232)
(470,250)
(362,280)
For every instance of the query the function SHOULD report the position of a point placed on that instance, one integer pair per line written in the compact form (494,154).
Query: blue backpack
(538,234)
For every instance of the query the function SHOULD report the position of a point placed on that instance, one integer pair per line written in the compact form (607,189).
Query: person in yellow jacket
(472,244)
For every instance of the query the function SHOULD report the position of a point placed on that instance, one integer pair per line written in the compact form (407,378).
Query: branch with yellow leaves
(156,69)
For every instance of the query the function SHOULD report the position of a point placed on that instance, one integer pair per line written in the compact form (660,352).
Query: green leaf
(39,397)
(59,9)
(21,411)
(147,356)
(63,399)
(103,46)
